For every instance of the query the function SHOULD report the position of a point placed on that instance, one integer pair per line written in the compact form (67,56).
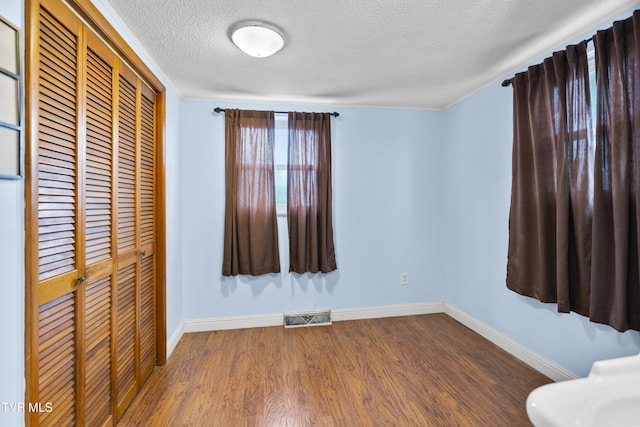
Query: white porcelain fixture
(257,38)
(608,397)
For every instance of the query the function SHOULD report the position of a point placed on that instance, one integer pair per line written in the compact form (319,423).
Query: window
(281,155)
(294,171)
(591,58)
(251,232)
(573,225)
(552,192)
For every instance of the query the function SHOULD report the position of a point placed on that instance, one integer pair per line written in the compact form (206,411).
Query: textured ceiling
(425,54)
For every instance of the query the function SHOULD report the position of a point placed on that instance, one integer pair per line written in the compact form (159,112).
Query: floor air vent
(311,318)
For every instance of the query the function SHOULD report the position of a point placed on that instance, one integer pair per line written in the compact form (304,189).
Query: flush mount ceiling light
(257,38)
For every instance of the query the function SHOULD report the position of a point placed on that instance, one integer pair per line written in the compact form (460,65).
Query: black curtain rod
(221,110)
(507,82)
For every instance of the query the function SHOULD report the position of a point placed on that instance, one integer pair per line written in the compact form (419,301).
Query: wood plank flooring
(407,371)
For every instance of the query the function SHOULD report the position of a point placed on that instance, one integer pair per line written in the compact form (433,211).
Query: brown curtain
(250,229)
(615,292)
(309,204)
(550,219)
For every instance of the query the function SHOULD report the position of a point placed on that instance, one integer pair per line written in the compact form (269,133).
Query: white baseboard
(233,322)
(174,339)
(360,313)
(277,319)
(536,361)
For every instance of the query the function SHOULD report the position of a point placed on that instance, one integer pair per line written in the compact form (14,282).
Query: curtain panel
(550,219)
(250,229)
(615,291)
(309,199)
(575,203)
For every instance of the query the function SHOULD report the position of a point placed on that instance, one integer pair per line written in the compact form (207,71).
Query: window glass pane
(281,154)
(9,152)
(281,186)
(9,107)
(591,55)
(8,48)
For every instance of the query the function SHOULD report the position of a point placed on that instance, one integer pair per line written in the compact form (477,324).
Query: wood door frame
(98,23)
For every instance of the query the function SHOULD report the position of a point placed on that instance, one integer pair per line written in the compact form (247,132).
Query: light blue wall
(476,197)
(174,212)
(386,216)
(12,274)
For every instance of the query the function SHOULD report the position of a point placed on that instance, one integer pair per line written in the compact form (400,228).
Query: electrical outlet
(404,278)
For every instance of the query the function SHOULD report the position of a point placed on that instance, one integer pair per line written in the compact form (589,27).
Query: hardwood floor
(407,371)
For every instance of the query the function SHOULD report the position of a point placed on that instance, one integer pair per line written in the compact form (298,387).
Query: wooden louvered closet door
(135,304)
(91,337)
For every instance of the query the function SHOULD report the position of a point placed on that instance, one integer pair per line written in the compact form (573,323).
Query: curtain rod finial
(506,83)
(218,110)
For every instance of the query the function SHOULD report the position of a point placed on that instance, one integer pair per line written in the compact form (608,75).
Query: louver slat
(147,232)
(126,166)
(56,142)
(57,361)
(98,159)
(98,209)
(126,324)
(147,316)
(147,138)
(98,352)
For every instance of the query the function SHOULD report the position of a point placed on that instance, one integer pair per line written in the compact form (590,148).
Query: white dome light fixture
(257,38)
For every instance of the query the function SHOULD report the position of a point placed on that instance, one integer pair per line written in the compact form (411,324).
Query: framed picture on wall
(10,102)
